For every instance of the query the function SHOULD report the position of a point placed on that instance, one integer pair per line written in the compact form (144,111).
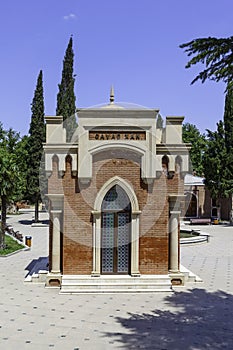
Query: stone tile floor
(197,316)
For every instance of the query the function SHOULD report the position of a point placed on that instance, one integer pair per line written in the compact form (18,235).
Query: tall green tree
(214,160)
(217,56)
(66,96)
(12,181)
(228,121)
(228,125)
(192,135)
(35,145)
(21,154)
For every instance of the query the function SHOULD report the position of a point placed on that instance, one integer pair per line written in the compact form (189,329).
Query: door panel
(123,243)
(116,217)
(115,252)
(108,242)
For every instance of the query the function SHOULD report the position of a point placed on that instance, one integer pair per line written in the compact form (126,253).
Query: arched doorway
(191,204)
(115,232)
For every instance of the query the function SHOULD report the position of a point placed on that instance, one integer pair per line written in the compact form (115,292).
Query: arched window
(165,164)
(178,164)
(55,162)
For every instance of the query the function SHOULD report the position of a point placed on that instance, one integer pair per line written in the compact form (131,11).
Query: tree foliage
(66,97)
(35,144)
(215,160)
(217,56)
(228,125)
(228,120)
(192,135)
(12,179)
(218,159)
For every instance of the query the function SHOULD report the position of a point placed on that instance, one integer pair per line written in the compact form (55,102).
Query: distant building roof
(191,180)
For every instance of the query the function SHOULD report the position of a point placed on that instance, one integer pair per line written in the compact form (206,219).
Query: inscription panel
(117,135)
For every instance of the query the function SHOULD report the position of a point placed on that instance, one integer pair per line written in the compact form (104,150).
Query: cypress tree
(228,124)
(35,144)
(66,97)
(228,120)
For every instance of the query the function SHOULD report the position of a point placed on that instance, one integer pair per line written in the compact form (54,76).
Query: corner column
(96,232)
(174,241)
(56,239)
(174,244)
(54,277)
(135,244)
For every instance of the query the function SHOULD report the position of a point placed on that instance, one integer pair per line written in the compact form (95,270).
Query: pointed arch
(116,180)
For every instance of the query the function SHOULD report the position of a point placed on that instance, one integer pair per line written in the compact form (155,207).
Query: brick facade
(76,239)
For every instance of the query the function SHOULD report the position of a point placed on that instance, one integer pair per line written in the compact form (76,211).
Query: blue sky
(132,44)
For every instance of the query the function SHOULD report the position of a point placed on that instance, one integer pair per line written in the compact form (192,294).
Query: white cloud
(70,16)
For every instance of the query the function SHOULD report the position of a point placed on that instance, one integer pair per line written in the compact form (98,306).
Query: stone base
(189,276)
(177,278)
(76,284)
(53,280)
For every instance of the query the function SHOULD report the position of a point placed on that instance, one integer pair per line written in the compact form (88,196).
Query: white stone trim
(127,145)
(61,160)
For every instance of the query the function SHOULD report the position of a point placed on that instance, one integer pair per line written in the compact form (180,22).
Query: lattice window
(116,199)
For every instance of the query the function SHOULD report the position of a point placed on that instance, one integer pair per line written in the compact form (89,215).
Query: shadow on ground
(30,222)
(37,264)
(200,320)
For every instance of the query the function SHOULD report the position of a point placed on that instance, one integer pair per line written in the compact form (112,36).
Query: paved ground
(198,316)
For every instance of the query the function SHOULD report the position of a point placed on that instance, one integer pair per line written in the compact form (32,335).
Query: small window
(178,164)
(165,162)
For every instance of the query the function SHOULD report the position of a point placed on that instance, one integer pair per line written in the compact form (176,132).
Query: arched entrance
(191,204)
(132,207)
(115,232)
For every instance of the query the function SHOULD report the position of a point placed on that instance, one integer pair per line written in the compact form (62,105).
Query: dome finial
(112,98)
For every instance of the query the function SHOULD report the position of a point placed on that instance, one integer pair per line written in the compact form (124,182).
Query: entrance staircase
(76,284)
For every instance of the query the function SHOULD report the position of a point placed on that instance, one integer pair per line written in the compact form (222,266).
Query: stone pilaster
(96,243)
(56,204)
(135,244)
(56,239)
(174,244)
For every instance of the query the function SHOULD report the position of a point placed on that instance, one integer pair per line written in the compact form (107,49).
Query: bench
(13,233)
(10,229)
(200,221)
(19,236)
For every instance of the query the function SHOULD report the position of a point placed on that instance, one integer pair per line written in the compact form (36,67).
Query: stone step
(119,284)
(189,276)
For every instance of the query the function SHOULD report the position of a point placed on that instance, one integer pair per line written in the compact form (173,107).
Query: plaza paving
(197,316)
